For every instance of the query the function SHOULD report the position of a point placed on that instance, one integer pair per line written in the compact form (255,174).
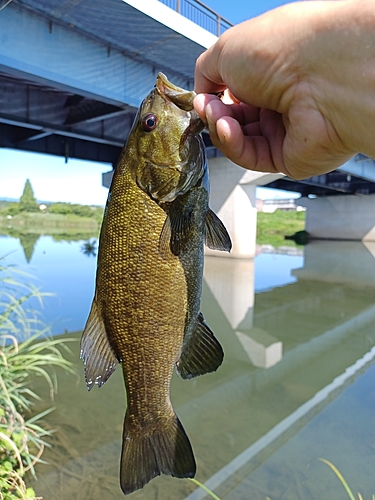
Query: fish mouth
(183,99)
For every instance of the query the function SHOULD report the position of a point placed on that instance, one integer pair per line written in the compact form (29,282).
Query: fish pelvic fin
(98,357)
(217,237)
(201,353)
(161,448)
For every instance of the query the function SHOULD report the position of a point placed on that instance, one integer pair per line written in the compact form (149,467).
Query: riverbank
(46,223)
(272,228)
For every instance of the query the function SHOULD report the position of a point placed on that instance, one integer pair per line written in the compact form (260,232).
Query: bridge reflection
(290,352)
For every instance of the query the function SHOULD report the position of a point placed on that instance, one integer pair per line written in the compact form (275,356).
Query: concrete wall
(340,217)
(233,199)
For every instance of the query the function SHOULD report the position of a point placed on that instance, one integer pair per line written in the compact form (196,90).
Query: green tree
(27,201)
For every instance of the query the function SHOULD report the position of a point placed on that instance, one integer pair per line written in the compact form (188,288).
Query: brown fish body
(145,312)
(144,325)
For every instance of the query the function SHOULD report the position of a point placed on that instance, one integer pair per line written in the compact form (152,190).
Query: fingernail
(222,137)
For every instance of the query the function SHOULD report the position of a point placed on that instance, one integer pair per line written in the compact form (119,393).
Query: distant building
(270,206)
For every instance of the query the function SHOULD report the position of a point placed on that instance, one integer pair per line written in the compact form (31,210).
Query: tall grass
(22,439)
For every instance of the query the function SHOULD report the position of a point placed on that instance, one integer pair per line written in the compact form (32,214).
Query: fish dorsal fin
(99,359)
(201,353)
(176,229)
(217,237)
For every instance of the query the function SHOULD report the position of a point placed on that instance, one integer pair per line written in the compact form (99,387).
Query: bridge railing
(200,14)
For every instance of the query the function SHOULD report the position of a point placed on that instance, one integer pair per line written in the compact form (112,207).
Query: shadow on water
(296,384)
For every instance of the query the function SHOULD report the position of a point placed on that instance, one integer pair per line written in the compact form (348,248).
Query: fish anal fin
(161,448)
(98,357)
(217,237)
(201,353)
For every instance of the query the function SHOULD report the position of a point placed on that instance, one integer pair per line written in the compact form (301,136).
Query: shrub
(22,440)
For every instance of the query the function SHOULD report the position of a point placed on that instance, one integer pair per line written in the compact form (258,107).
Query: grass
(335,470)
(22,439)
(207,490)
(343,481)
(41,223)
(272,228)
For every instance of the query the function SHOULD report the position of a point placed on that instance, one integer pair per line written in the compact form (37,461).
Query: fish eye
(149,122)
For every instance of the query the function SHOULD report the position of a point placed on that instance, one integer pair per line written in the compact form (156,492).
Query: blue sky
(236,11)
(51,178)
(80,181)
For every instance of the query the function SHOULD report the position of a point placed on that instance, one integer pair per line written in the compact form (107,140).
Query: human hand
(301,96)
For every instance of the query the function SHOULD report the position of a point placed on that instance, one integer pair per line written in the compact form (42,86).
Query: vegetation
(27,201)
(53,211)
(335,470)
(22,439)
(207,490)
(343,482)
(273,227)
(28,206)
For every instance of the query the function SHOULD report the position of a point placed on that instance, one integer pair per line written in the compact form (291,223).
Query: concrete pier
(233,199)
(349,217)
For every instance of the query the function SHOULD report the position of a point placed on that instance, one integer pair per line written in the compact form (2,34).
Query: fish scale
(142,332)
(146,309)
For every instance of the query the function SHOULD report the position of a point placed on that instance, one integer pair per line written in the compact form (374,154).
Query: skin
(299,88)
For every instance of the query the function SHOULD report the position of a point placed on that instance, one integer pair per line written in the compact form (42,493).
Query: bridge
(72,74)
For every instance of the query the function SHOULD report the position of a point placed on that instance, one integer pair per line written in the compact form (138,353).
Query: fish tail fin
(149,452)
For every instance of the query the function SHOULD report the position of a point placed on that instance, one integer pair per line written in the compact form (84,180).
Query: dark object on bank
(300,237)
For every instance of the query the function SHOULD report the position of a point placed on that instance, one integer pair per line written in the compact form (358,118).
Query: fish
(145,312)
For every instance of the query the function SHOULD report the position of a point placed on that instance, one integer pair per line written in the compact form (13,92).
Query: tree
(27,201)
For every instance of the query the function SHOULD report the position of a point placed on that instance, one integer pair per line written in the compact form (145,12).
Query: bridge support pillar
(233,198)
(350,217)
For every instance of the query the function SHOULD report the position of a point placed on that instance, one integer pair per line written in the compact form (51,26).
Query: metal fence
(200,14)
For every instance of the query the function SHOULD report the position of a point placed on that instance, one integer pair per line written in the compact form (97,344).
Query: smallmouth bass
(146,309)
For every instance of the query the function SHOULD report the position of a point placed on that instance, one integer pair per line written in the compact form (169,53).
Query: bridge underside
(72,75)
(357,176)
(43,119)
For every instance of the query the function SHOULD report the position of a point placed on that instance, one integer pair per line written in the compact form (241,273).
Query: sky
(51,178)
(80,181)
(236,11)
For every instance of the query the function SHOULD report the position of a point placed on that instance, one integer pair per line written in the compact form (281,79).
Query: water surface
(296,384)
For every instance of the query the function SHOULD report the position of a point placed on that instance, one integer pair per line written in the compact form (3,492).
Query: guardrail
(200,14)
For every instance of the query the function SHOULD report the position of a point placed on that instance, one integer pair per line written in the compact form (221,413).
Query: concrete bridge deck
(72,75)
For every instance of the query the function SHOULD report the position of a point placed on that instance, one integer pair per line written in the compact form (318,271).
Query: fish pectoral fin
(202,353)
(176,229)
(148,452)
(99,359)
(217,237)
(165,238)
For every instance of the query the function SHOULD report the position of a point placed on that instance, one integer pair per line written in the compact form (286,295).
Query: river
(297,382)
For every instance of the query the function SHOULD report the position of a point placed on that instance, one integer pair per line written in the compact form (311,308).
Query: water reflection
(89,248)
(28,239)
(28,242)
(58,267)
(294,386)
(231,283)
